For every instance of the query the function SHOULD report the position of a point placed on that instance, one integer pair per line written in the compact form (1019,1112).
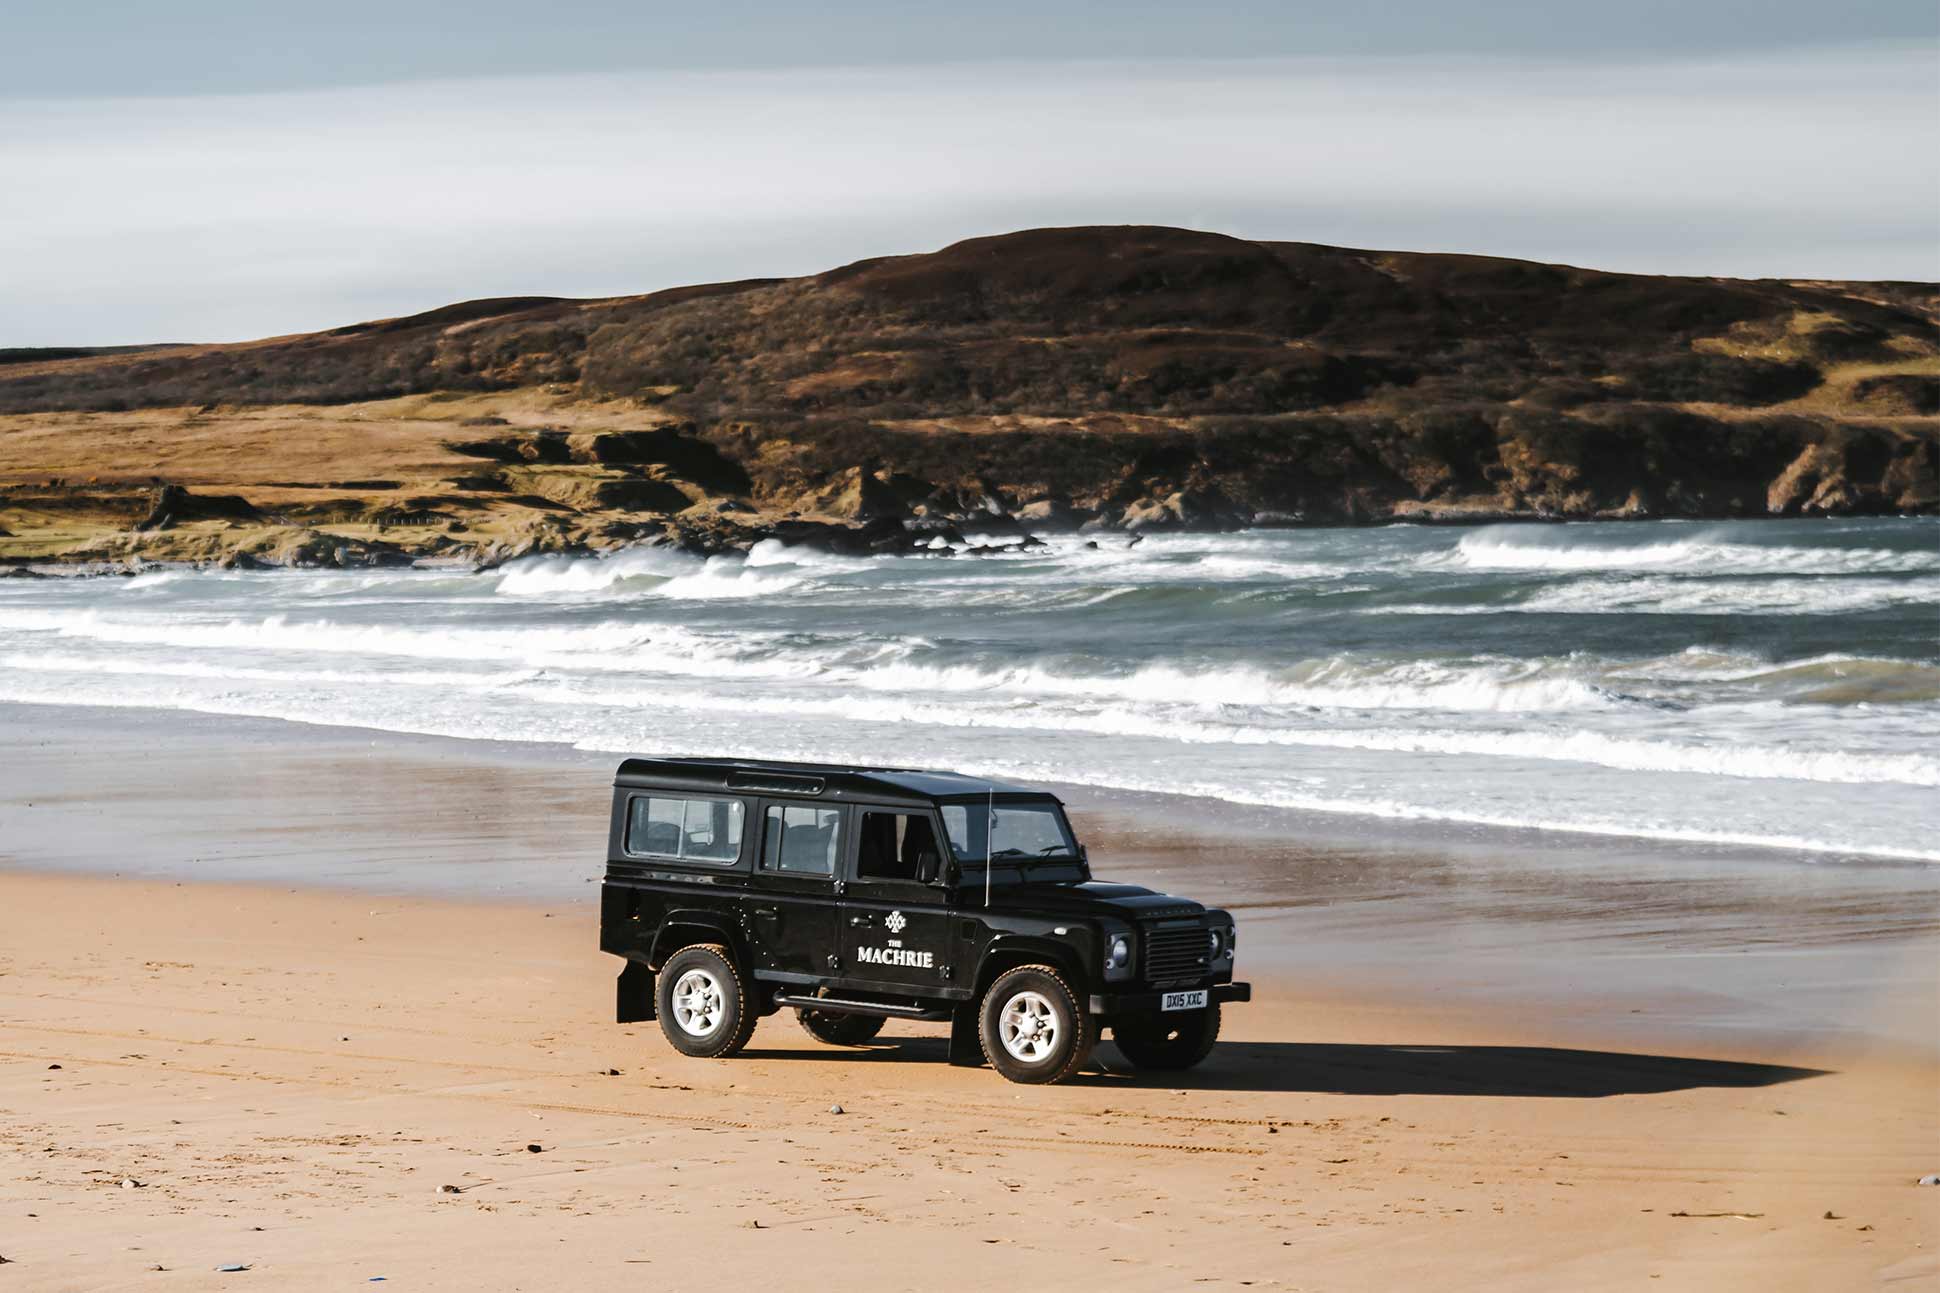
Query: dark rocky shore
(1108,379)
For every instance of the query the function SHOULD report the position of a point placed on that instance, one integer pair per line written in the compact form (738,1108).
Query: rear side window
(693,830)
(801,840)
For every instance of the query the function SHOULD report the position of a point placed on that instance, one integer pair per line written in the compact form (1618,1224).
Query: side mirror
(927,866)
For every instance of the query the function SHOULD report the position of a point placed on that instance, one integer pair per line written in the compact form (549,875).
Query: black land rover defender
(853,895)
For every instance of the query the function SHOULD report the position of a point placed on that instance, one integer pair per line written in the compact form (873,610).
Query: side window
(892,846)
(956,820)
(801,839)
(694,830)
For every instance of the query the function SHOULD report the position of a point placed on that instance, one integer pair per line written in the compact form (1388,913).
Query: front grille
(1178,953)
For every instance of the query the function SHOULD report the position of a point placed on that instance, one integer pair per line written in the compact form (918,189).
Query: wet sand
(340,969)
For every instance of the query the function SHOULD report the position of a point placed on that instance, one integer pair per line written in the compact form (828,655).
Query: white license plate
(1195,1000)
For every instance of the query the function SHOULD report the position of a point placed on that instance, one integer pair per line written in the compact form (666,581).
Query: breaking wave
(1520,548)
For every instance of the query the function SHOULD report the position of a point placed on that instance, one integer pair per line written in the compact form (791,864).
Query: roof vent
(775,783)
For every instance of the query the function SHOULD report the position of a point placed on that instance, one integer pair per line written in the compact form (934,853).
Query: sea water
(1754,685)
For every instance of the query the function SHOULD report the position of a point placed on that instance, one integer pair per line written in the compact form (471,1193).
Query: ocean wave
(1658,595)
(1487,685)
(544,576)
(648,572)
(1400,810)
(607,645)
(1522,549)
(1170,722)
(883,665)
(1630,754)
(90,665)
(773,552)
(588,718)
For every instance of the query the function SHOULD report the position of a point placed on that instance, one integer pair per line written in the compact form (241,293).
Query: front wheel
(1168,1041)
(704,1010)
(1032,1026)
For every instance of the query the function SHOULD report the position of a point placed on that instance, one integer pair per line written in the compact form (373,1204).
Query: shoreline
(356,548)
(1694,942)
(1335,823)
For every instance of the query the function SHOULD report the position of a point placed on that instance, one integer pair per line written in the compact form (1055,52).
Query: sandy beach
(291,1069)
(1294,645)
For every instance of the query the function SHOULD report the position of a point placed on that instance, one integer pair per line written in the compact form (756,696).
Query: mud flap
(966,1050)
(634,994)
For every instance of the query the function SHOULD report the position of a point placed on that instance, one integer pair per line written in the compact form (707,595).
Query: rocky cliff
(1107,377)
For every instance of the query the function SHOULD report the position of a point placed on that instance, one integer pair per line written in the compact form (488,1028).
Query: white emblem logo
(896,922)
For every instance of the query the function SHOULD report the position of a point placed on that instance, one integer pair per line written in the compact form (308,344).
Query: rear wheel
(1170,1040)
(1032,1026)
(704,1008)
(840,1029)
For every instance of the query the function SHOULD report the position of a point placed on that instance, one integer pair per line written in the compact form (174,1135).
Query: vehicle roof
(837,780)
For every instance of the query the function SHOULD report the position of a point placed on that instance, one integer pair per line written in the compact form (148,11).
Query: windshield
(1014,831)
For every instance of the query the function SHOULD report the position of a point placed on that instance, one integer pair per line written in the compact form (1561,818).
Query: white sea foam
(91,665)
(544,576)
(1485,685)
(605,646)
(1399,810)
(652,572)
(773,552)
(1631,754)
(1520,548)
(1653,595)
(1656,595)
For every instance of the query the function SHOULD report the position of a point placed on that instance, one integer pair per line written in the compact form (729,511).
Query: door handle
(861,921)
(767,913)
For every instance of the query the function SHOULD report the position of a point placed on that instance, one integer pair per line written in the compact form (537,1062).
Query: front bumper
(1132,1003)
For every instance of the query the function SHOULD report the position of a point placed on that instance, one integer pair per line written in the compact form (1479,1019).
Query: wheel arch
(1009,953)
(684,927)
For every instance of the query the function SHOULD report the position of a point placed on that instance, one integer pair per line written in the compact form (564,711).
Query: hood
(1128,902)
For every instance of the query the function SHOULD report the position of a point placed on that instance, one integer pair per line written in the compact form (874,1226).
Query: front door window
(897,847)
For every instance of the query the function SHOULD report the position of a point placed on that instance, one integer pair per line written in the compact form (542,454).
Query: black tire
(1042,997)
(1169,1041)
(840,1030)
(716,1018)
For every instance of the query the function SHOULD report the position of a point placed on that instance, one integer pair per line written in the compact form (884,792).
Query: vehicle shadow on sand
(1348,1069)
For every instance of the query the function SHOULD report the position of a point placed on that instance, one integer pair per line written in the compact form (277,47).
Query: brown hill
(1123,376)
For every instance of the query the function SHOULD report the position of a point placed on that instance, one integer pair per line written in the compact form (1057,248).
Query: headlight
(1120,954)
(1214,945)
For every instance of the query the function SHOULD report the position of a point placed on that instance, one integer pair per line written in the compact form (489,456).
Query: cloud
(236,216)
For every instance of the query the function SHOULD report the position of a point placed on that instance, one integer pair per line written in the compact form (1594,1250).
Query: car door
(896,931)
(792,904)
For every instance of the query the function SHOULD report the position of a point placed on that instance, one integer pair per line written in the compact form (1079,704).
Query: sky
(217,170)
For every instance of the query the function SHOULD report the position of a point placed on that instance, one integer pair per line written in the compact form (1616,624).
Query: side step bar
(837,1006)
